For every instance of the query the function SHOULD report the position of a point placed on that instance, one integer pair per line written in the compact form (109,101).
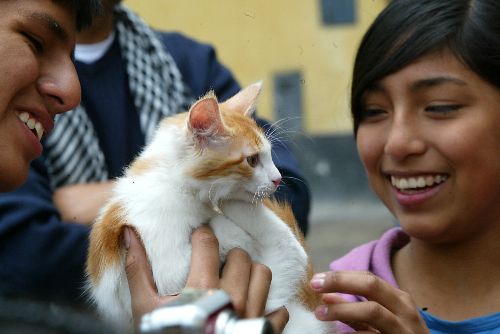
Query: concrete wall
(306,67)
(258,39)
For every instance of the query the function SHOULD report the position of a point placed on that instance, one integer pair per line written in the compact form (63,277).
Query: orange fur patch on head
(243,132)
(105,246)
(243,127)
(210,168)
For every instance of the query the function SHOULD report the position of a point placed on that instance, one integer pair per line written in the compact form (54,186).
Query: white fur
(164,206)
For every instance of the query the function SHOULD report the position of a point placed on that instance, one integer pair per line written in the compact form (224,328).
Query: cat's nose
(277,182)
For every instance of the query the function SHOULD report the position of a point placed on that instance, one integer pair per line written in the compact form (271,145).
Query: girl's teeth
(421,182)
(429,180)
(32,124)
(417,182)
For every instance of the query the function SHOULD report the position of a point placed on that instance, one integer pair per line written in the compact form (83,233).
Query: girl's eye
(35,42)
(443,108)
(371,113)
(253,160)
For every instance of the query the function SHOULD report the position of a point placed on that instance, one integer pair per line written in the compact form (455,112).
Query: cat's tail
(105,247)
(107,286)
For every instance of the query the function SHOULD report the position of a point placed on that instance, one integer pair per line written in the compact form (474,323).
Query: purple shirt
(375,256)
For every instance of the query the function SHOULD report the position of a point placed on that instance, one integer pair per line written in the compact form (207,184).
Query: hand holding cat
(247,282)
(386,310)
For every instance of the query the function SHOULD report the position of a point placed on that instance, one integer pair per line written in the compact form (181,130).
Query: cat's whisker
(293,178)
(254,199)
(277,126)
(211,191)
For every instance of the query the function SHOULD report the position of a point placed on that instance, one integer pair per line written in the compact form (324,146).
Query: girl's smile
(415,189)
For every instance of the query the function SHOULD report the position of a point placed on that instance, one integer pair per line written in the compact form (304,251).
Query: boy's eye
(253,160)
(443,108)
(35,42)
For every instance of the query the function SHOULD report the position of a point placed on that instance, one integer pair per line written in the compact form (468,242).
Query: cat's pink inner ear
(246,100)
(204,118)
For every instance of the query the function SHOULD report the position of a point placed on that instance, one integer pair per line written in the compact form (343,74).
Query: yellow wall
(257,38)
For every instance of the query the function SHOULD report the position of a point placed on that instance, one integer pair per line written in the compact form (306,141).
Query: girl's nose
(404,138)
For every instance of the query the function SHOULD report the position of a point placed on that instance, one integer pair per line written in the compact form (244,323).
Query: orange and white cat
(211,164)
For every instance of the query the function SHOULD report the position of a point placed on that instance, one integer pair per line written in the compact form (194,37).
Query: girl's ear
(205,121)
(245,100)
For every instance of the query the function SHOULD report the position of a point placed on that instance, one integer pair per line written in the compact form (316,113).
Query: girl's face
(430,143)
(37,80)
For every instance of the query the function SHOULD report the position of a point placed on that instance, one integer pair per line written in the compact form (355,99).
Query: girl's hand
(387,309)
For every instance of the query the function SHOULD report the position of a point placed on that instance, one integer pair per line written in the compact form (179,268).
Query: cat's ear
(205,121)
(245,100)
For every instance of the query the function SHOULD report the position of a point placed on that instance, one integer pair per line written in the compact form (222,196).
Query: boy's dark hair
(409,29)
(85,10)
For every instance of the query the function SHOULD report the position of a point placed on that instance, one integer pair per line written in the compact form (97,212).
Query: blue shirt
(489,324)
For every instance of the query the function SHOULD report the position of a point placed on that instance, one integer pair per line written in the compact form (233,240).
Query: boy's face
(37,80)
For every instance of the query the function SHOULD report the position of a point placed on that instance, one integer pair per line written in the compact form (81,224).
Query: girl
(425,97)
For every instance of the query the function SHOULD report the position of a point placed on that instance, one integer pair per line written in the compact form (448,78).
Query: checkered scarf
(72,151)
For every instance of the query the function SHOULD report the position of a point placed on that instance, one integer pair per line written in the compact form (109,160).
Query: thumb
(143,292)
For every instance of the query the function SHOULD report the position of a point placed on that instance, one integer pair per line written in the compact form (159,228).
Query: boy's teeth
(39,130)
(24,117)
(417,182)
(32,124)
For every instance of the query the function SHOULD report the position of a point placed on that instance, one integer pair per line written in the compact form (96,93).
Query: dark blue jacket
(42,256)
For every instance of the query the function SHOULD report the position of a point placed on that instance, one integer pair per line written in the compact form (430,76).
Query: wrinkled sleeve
(40,256)
(202,71)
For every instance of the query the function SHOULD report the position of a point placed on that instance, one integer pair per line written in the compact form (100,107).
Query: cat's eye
(253,160)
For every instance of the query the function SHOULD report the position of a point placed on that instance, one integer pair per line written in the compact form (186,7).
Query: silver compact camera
(201,312)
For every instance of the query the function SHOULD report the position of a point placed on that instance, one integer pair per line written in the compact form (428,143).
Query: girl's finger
(362,315)
(366,284)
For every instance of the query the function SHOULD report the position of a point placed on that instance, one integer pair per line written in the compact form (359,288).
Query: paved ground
(338,227)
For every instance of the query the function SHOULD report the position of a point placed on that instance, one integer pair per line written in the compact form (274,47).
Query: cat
(210,164)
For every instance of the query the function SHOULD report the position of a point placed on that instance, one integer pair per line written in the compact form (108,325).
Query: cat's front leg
(232,236)
(277,248)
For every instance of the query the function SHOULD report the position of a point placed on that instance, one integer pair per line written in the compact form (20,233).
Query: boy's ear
(204,120)
(245,100)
